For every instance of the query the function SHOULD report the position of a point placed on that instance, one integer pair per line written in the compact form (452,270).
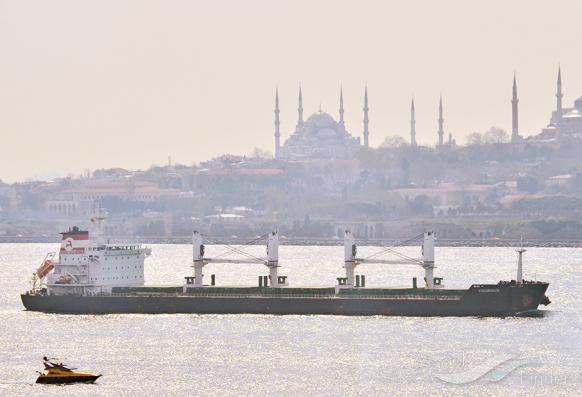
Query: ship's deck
(291,292)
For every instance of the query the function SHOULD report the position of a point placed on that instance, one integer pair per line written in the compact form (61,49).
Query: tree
(549,226)
(392,142)
(496,135)
(420,206)
(261,153)
(475,138)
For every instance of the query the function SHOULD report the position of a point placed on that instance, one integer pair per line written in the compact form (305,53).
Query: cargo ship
(92,276)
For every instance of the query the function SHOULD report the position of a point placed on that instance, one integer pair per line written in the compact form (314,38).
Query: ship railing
(242,296)
(181,294)
(122,241)
(122,244)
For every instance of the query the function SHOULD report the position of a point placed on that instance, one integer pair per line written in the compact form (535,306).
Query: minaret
(559,95)
(300,111)
(441,130)
(341,108)
(366,120)
(277,123)
(412,124)
(514,116)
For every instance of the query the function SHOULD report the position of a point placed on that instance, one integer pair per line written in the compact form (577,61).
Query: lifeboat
(45,268)
(66,279)
(57,373)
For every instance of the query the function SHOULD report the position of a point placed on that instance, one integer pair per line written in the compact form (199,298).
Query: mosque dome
(320,120)
(574,113)
(319,136)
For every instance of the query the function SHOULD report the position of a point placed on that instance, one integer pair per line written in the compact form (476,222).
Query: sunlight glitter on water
(299,355)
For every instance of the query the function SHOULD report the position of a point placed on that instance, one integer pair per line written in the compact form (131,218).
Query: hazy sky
(91,84)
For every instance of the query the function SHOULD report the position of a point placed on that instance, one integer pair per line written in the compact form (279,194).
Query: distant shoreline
(318,242)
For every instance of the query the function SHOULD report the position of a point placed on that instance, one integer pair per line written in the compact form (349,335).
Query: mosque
(320,136)
(565,123)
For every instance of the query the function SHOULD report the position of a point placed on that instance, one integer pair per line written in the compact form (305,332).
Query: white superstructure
(89,266)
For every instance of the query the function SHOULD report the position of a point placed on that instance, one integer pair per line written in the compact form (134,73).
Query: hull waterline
(480,300)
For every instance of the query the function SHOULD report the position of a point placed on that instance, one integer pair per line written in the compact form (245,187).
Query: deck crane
(426,261)
(271,262)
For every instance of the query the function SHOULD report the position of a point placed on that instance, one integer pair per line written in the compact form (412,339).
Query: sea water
(263,355)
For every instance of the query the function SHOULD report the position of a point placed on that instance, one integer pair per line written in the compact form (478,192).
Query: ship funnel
(74,240)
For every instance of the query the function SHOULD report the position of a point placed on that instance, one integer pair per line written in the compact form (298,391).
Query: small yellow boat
(57,373)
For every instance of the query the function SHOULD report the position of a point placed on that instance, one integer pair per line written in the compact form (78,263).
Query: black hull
(62,380)
(479,300)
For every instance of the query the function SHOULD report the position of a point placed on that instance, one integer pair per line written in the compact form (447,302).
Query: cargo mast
(272,260)
(520,265)
(351,261)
